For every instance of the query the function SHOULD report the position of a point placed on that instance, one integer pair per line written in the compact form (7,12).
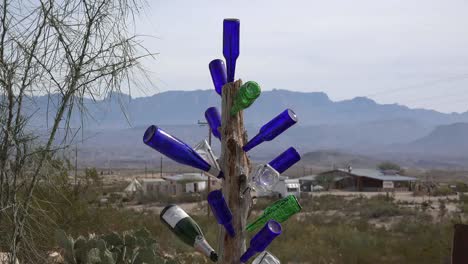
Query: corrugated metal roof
(150,180)
(187,177)
(377,174)
(308,178)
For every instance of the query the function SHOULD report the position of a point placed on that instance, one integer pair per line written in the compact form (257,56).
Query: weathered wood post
(236,167)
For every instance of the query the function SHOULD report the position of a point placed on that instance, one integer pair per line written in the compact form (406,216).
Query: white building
(189,182)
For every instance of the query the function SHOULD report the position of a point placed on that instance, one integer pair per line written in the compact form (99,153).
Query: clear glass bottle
(266,258)
(266,176)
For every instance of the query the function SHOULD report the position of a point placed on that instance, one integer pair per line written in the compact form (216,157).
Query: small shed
(190,183)
(154,187)
(133,187)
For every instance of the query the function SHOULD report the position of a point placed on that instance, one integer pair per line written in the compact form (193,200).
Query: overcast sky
(410,52)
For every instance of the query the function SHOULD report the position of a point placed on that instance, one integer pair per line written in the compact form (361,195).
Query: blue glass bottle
(218,74)
(231,34)
(221,211)
(213,117)
(272,129)
(262,239)
(285,160)
(177,150)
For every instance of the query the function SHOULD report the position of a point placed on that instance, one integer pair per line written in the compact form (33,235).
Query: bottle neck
(247,255)
(253,142)
(202,246)
(257,223)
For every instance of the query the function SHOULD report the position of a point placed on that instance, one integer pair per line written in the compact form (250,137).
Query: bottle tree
(234,162)
(231,205)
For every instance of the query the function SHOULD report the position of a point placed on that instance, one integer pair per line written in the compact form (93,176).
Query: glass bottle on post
(218,75)
(272,129)
(262,239)
(267,175)
(204,150)
(266,258)
(221,211)
(213,117)
(187,230)
(231,32)
(177,150)
(280,211)
(246,96)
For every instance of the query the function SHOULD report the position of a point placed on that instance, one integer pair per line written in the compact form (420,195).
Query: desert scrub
(413,239)
(443,191)
(377,209)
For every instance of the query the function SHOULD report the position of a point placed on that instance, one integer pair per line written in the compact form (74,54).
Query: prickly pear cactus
(130,247)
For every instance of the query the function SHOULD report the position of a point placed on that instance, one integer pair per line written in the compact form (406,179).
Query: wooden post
(236,166)
(460,240)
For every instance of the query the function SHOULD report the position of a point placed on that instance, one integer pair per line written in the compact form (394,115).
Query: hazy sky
(410,52)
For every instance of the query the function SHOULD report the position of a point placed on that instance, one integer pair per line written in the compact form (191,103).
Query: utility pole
(161,168)
(201,123)
(76,164)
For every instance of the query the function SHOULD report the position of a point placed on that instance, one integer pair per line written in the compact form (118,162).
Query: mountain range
(186,107)
(114,126)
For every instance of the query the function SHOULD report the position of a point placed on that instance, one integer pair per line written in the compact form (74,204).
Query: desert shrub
(133,247)
(460,186)
(387,165)
(413,239)
(382,209)
(463,203)
(443,191)
(324,203)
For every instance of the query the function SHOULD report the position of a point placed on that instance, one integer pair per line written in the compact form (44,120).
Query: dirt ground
(399,196)
(404,197)
(192,208)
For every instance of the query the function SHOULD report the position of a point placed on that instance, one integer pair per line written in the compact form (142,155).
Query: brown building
(365,180)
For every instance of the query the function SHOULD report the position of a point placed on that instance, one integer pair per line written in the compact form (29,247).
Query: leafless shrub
(68,50)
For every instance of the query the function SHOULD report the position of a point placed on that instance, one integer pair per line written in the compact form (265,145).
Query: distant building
(190,183)
(133,187)
(173,185)
(282,188)
(365,180)
(154,187)
(307,183)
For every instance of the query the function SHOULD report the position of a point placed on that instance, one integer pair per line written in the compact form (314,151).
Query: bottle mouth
(214,257)
(292,115)
(232,19)
(149,133)
(274,227)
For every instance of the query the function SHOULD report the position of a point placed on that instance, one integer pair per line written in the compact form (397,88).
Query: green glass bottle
(185,228)
(245,97)
(279,211)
